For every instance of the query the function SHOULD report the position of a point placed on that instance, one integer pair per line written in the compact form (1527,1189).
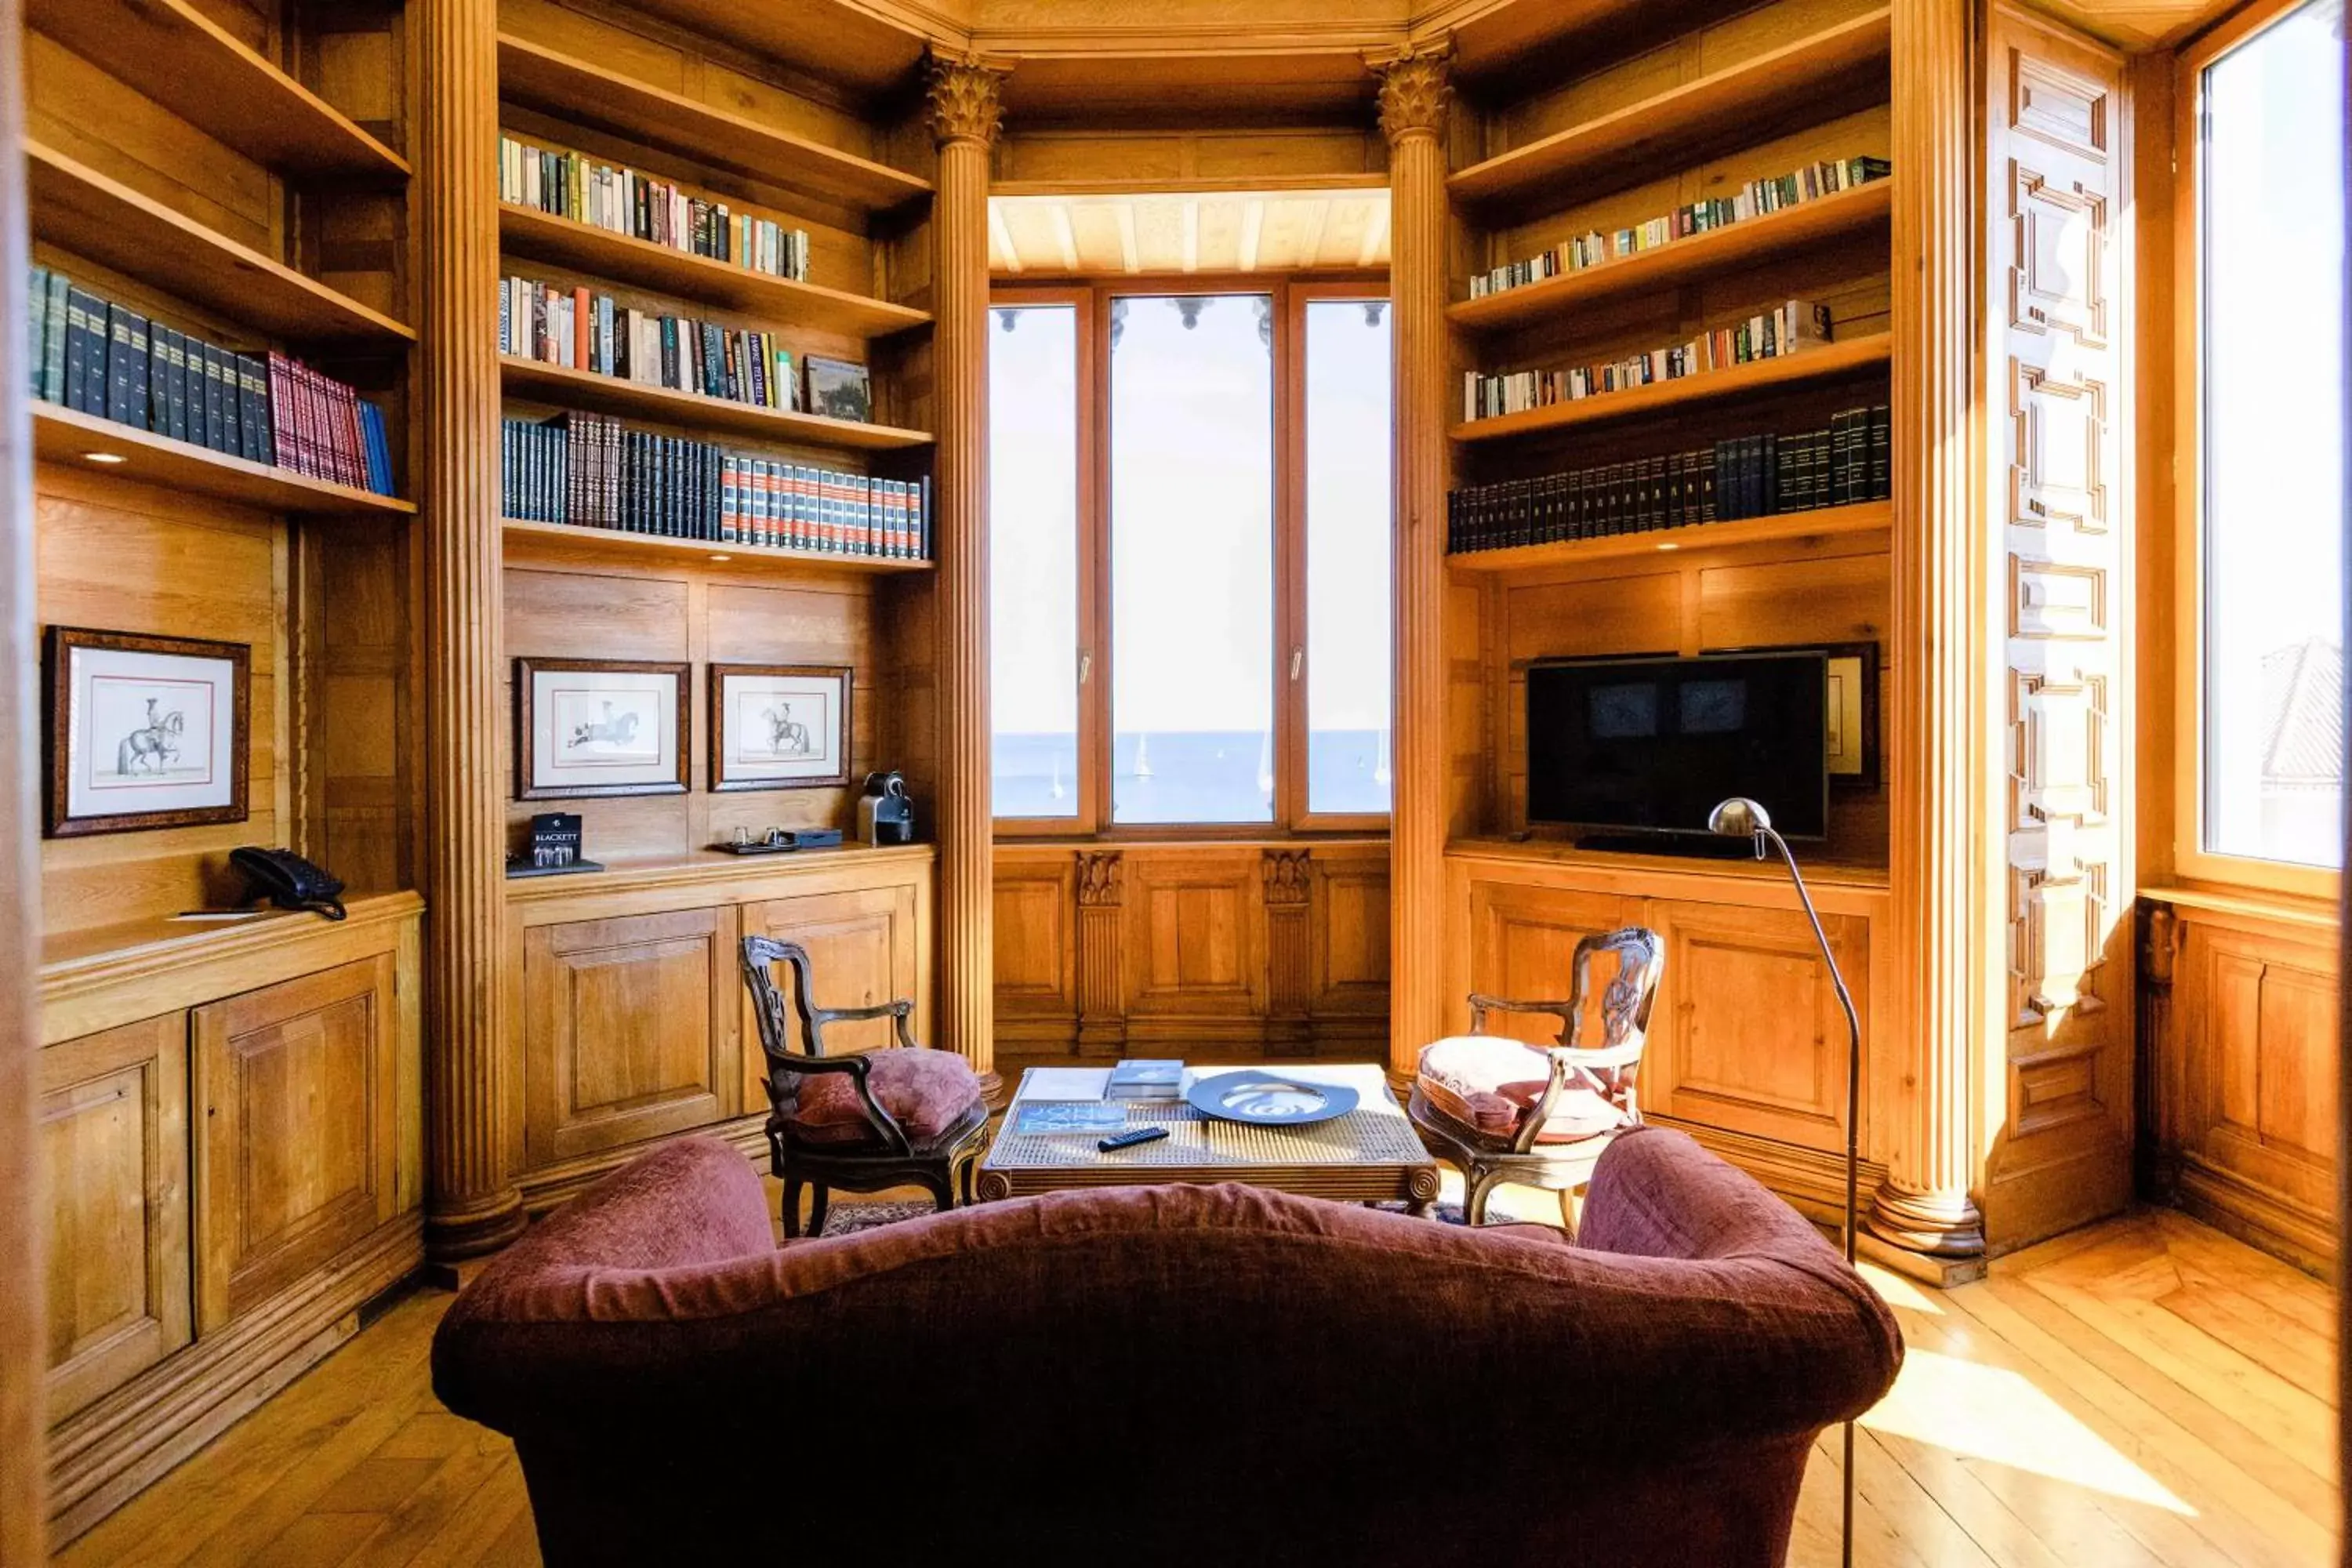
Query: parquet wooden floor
(2147,1392)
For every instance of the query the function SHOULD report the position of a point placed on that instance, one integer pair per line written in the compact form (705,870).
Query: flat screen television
(1648,746)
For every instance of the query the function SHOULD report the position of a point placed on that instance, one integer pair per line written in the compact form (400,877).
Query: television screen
(1651,744)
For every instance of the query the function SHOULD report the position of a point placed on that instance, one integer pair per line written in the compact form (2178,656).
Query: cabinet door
(626,1036)
(2261,1033)
(297,1136)
(1746,1034)
(865,947)
(114,1139)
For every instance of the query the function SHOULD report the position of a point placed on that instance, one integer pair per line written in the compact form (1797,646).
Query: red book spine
(281,411)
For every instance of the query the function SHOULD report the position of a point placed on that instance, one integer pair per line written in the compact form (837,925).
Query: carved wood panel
(297,1135)
(1036,948)
(1349,929)
(863,948)
(1195,935)
(2058,180)
(114,1141)
(629,1030)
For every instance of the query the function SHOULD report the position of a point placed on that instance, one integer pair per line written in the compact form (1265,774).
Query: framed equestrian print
(143,731)
(600,726)
(779,726)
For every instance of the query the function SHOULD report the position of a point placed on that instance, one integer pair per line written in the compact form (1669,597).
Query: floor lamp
(1740,817)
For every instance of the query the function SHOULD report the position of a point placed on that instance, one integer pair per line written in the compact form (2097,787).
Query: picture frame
(779,726)
(601,727)
(1851,715)
(143,731)
(838,389)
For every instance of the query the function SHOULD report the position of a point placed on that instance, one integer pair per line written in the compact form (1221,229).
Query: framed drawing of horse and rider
(143,731)
(589,726)
(779,726)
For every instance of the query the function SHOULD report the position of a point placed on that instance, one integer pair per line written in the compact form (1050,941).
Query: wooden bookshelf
(1706,255)
(610,395)
(175,55)
(1631,144)
(1860,518)
(528,540)
(64,436)
(574,89)
(83,211)
(543,236)
(1811,364)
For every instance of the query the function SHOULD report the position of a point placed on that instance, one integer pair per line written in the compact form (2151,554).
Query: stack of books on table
(1146,1079)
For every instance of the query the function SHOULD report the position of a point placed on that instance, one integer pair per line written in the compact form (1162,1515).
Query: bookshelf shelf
(543,236)
(574,89)
(64,436)
(610,394)
(563,540)
(1685,260)
(83,211)
(175,55)
(1863,517)
(1631,144)
(1812,364)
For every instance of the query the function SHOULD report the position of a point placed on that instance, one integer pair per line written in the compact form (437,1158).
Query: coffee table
(1369,1155)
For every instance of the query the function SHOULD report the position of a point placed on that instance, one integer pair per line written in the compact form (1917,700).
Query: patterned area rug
(845,1218)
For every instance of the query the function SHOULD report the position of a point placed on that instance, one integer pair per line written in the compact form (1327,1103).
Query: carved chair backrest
(760,954)
(1611,1068)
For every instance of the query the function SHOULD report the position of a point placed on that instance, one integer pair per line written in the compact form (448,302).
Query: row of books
(624,201)
(1754,199)
(99,357)
(581,330)
(1786,329)
(591,471)
(1743,476)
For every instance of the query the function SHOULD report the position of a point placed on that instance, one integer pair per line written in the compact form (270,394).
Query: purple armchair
(1167,1375)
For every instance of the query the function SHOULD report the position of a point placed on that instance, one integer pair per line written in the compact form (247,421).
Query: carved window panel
(2060,923)
(2051,1089)
(2052,105)
(2056,599)
(2060,434)
(2058,279)
(2060,736)
(1195,935)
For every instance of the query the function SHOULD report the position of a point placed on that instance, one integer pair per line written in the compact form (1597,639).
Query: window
(2267,574)
(1190,521)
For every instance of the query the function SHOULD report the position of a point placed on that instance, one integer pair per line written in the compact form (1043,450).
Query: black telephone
(288,881)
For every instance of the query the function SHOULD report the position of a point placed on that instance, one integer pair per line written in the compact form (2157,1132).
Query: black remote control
(1130,1140)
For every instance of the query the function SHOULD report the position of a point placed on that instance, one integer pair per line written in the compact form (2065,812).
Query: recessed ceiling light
(105,457)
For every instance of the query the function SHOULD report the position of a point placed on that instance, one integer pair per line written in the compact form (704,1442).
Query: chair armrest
(1480,1006)
(900,1009)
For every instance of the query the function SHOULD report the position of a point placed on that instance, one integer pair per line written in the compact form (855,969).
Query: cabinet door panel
(1195,940)
(1746,1034)
(298,1134)
(1521,941)
(2261,1016)
(623,1039)
(114,1139)
(864,948)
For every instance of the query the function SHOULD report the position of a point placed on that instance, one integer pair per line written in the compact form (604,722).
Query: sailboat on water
(1143,756)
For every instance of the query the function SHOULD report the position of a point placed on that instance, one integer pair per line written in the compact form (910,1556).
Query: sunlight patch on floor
(1988,1413)
(1898,1292)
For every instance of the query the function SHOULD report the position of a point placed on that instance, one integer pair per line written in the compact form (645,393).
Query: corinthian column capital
(966,100)
(1414,89)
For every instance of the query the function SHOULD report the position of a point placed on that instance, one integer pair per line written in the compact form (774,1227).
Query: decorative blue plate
(1268,1099)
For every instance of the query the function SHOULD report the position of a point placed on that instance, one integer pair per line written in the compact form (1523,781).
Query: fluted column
(966,109)
(1414,89)
(1928,1202)
(472,1206)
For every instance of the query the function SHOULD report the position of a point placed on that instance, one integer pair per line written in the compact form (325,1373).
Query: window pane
(1348,555)
(1032,576)
(2272,340)
(1192,554)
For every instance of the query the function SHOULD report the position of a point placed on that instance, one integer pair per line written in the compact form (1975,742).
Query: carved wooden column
(1414,89)
(1288,876)
(966,109)
(1927,1204)
(1102,960)
(472,1206)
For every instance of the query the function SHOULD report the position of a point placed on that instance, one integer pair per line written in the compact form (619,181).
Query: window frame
(2191,859)
(1290,297)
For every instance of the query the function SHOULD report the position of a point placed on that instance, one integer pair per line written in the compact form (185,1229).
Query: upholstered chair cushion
(1491,1083)
(925,1091)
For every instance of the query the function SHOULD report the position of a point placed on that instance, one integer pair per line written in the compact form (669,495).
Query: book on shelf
(1146,1078)
(99,357)
(1047,1117)
(1755,199)
(579,328)
(1759,475)
(1786,329)
(590,471)
(624,201)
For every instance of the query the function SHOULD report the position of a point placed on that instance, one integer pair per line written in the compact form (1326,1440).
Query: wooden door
(865,947)
(628,1031)
(114,1139)
(1746,1034)
(297,1136)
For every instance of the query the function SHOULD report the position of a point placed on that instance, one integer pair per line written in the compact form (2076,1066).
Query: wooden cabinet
(1522,939)
(863,948)
(296,1134)
(114,1141)
(624,1037)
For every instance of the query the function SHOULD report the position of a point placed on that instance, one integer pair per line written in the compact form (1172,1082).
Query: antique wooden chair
(864,1121)
(1539,1117)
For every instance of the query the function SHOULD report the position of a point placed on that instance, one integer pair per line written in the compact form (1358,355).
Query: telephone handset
(288,881)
